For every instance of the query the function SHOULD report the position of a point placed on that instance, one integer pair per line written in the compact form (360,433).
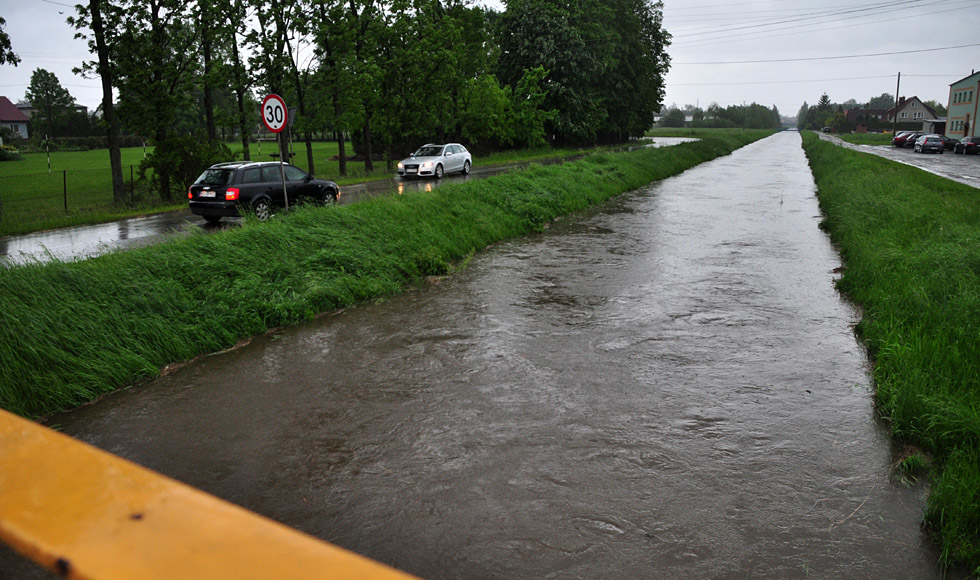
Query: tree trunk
(208,96)
(368,153)
(108,112)
(243,127)
(342,152)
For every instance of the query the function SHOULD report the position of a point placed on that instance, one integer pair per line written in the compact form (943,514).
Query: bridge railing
(84,513)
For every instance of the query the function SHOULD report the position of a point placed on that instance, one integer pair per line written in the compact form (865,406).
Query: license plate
(206,194)
(411,170)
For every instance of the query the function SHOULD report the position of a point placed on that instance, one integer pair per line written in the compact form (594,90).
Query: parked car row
(922,142)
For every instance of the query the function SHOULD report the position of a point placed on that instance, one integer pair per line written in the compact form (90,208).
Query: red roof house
(11,117)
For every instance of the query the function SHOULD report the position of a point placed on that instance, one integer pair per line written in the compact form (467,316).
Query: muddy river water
(667,386)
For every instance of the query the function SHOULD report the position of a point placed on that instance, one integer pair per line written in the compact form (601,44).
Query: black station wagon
(225,188)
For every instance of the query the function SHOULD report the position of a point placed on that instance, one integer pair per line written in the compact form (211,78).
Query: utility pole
(898,87)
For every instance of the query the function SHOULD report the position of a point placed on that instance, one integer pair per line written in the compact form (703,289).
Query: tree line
(826,113)
(378,76)
(753,116)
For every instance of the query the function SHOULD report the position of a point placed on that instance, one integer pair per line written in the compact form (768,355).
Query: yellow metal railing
(84,513)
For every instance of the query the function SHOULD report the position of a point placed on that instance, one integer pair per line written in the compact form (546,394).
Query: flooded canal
(667,386)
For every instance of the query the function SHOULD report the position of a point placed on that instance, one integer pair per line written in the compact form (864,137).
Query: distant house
(910,111)
(12,118)
(961,113)
(28,109)
(864,119)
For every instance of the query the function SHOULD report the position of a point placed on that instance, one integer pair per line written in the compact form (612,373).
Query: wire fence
(38,200)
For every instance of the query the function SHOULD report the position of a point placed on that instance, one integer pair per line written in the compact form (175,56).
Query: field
(78,189)
(911,250)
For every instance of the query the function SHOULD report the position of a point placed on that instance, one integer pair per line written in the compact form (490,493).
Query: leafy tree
(936,106)
(7,55)
(605,63)
(883,101)
(801,116)
(90,18)
(155,54)
(51,100)
(838,121)
(530,117)
(673,118)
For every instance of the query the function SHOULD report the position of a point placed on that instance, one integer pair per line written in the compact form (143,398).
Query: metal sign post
(275,116)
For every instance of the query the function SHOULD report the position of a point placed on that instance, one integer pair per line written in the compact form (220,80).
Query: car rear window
(215,177)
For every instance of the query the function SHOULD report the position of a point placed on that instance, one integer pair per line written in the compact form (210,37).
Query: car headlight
(401,165)
(427,165)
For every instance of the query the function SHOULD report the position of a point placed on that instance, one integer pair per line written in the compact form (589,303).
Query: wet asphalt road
(667,386)
(961,168)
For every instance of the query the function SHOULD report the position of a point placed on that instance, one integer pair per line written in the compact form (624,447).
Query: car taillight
(231,194)
(189,194)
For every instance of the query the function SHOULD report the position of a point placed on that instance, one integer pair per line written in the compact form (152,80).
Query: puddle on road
(664,387)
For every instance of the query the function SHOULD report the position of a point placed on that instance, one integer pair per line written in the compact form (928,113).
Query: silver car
(436,160)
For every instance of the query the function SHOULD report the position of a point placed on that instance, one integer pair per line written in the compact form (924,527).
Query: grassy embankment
(911,246)
(31,199)
(70,332)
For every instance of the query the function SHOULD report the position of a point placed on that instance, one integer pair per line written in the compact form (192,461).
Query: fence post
(132,187)
(64,185)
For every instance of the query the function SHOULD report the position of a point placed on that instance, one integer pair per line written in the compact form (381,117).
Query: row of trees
(828,114)
(386,73)
(754,116)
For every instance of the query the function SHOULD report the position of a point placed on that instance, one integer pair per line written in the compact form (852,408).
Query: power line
(726,84)
(760,36)
(59,4)
(828,57)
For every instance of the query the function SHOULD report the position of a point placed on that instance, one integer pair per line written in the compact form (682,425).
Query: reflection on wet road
(665,387)
(89,241)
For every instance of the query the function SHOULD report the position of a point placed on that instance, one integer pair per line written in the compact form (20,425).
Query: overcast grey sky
(723,52)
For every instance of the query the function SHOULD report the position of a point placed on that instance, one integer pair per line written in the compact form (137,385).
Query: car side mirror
(308,179)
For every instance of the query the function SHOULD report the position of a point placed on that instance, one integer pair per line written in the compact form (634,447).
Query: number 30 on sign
(274,113)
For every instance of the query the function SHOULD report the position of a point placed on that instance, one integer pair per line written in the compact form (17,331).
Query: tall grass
(72,331)
(911,245)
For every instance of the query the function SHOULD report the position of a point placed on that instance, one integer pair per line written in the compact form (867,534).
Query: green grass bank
(70,332)
(867,138)
(911,246)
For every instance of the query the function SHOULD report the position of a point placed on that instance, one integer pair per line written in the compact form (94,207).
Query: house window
(914,104)
(919,115)
(904,115)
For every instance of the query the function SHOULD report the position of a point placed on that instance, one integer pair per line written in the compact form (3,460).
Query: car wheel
(466,168)
(439,171)
(329,197)
(262,209)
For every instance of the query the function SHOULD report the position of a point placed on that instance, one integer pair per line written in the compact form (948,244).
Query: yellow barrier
(84,513)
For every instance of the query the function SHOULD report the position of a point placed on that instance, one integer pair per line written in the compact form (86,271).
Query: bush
(9,154)
(183,158)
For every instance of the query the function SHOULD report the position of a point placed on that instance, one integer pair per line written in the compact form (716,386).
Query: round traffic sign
(274,113)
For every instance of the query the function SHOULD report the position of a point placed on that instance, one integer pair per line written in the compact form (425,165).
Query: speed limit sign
(274,113)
